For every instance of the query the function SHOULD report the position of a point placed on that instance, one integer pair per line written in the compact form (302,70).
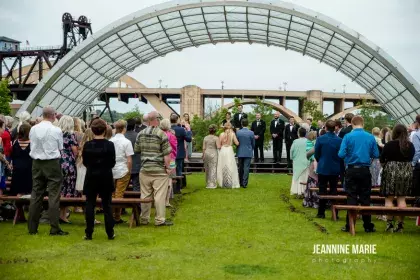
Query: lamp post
(160,83)
(284,86)
(223,82)
(344,88)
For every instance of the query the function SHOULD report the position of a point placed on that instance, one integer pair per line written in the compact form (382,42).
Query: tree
(133,113)
(311,107)
(5,98)
(374,116)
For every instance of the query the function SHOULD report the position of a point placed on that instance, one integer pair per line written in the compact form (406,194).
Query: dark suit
(289,137)
(181,136)
(139,128)
(259,130)
(313,128)
(244,152)
(344,131)
(237,120)
(277,128)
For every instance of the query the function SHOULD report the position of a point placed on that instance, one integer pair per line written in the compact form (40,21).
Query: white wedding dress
(227,170)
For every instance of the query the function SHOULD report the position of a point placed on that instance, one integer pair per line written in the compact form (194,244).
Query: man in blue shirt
(357,150)
(326,154)
(182,134)
(416,160)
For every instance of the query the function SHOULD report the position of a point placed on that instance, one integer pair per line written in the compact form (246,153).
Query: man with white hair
(155,151)
(46,143)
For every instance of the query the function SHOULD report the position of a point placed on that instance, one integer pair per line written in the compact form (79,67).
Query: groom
(245,151)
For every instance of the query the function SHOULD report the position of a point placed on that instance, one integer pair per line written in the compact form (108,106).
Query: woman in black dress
(99,159)
(22,166)
(22,162)
(397,173)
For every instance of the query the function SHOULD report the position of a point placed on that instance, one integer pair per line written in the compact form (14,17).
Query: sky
(390,24)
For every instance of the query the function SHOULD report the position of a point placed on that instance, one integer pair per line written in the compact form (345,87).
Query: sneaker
(166,223)
(111,237)
(87,237)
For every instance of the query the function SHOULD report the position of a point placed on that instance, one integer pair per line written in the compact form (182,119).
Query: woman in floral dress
(68,162)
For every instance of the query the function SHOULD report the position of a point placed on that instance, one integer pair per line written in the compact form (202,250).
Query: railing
(31,48)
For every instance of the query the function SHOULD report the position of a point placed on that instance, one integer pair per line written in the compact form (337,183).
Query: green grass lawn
(218,234)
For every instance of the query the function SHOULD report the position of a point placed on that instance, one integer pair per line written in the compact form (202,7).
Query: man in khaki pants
(122,168)
(155,151)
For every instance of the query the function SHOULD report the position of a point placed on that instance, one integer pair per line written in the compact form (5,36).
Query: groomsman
(276,130)
(258,127)
(238,117)
(309,122)
(290,135)
(246,145)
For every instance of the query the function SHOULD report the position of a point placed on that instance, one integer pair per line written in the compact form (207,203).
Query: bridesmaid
(211,144)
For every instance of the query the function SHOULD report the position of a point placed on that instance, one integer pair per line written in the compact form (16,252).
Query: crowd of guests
(61,156)
(386,158)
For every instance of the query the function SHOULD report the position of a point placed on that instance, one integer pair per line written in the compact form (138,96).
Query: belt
(357,166)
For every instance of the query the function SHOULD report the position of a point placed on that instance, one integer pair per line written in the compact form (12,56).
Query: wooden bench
(380,210)
(341,190)
(132,203)
(336,199)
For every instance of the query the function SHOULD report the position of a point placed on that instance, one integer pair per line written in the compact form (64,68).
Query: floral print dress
(68,166)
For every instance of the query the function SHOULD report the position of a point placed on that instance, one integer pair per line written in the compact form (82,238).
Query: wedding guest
(328,169)
(187,122)
(348,125)
(165,125)
(22,117)
(211,145)
(397,173)
(375,166)
(290,135)
(310,198)
(244,152)
(258,127)
(228,118)
(131,135)
(108,133)
(182,135)
(78,132)
(384,132)
(338,127)
(46,143)
(81,169)
(140,125)
(22,163)
(123,164)
(320,127)
(300,163)
(276,131)
(98,156)
(7,146)
(357,149)
(416,164)
(414,128)
(68,163)
(4,163)
(155,151)
(237,117)
(309,121)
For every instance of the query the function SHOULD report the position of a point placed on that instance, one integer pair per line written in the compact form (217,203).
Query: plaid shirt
(153,145)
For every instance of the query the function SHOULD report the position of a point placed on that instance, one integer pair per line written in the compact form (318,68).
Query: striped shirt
(153,145)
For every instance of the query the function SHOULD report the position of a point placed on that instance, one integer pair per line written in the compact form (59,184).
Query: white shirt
(412,135)
(240,116)
(46,141)
(291,127)
(123,149)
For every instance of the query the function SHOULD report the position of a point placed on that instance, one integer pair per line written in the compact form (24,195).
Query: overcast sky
(391,24)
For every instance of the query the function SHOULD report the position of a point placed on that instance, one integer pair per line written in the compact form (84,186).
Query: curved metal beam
(257,12)
(348,110)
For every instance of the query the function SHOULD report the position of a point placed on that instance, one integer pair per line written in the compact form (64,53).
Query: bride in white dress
(227,170)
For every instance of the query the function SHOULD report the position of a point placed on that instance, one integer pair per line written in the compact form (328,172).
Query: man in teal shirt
(358,149)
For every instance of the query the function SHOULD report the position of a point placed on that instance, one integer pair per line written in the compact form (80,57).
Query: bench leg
(135,216)
(17,214)
(352,221)
(334,213)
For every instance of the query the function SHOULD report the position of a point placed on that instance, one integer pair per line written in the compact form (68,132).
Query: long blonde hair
(88,136)
(227,132)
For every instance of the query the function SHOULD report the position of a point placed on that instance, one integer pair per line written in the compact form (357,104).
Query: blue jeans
(244,164)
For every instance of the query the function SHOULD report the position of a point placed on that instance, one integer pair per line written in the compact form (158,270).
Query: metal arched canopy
(136,39)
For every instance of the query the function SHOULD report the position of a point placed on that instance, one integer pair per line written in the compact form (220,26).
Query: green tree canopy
(5,98)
